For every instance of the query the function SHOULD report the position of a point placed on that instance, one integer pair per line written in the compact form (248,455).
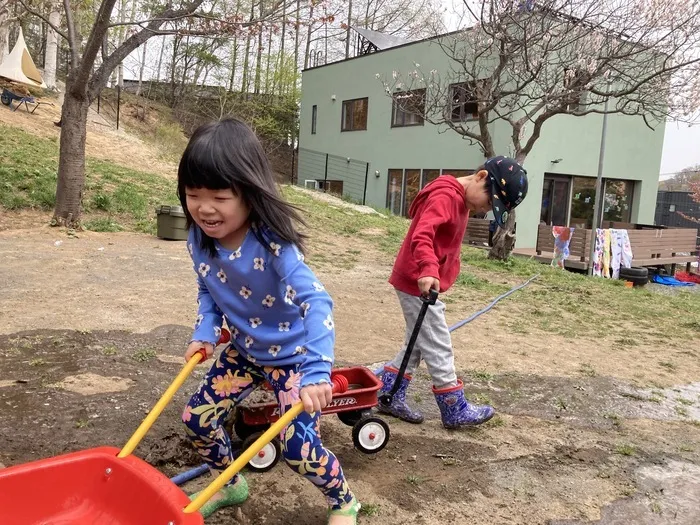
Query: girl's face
(221,214)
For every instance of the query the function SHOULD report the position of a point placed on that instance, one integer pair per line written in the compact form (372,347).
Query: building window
(314,114)
(354,115)
(465,104)
(428,177)
(408,108)
(617,205)
(394,191)
(617,201)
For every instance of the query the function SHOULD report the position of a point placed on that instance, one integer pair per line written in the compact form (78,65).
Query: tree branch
(72,40)
(45,19)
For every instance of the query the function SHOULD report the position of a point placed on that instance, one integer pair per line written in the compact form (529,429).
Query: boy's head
(506,185)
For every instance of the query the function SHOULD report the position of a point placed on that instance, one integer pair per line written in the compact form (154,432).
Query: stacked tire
(638,276)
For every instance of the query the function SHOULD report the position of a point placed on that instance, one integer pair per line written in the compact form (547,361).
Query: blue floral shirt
(277,311)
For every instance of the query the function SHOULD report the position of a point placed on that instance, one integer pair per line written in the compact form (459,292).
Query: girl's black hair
(226,154)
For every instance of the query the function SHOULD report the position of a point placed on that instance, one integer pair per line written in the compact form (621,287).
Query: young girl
(251,274)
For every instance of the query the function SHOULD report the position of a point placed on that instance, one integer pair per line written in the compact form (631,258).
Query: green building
(354,141)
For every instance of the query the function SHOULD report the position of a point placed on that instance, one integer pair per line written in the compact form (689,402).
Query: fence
(333,174)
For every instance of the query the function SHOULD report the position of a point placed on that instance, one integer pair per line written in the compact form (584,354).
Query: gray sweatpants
(433,345)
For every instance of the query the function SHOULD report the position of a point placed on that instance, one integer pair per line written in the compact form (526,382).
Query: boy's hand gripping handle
(340,385)
(387,399)
(147,423)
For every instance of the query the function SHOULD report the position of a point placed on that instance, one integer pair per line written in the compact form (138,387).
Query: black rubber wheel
(244,431)
(370,434)
(350,418)
(637,276)
(5,99)
(267,458)
(634,272)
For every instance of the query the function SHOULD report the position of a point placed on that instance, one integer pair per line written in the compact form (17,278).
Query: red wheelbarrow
(108,486)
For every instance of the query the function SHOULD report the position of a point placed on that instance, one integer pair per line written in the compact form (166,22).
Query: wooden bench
(579,247)
(477,232)
(663,247)
(650,246)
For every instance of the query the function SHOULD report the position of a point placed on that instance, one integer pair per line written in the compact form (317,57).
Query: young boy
(429,258)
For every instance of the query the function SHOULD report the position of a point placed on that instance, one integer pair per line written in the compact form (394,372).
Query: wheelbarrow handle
(340,385)
(147,423)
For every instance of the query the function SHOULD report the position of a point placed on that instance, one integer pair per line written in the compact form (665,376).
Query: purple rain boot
(398,407)
(456,411)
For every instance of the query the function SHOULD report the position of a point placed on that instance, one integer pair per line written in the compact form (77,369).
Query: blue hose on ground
(493,303)
(190,474)
(198,471)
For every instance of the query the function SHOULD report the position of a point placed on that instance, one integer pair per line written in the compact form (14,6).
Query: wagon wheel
(244,430)
(351,417)
(5,99)
(370,434)
(268,456)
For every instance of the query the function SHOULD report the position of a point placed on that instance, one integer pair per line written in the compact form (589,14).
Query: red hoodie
(433,244)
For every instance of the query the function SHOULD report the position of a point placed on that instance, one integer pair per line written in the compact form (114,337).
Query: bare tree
(7,18)
(524,65)
(51,56)
(85,81)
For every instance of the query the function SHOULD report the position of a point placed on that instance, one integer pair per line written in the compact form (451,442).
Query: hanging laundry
(621,251)
(562,238)
(598,252)
(606,255)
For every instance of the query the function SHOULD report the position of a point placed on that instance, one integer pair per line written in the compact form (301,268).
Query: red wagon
(370,434)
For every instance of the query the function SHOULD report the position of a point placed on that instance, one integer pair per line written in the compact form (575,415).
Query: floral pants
(231,378)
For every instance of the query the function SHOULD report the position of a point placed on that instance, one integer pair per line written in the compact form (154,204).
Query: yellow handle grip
(242,460)
(147,423)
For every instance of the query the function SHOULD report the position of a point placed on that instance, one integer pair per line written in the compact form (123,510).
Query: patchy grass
(625,450)
(144,355)
(115,198)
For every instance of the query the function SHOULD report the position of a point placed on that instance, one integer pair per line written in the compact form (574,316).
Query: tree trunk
(245,81)
(4,33)
(52,48)
(308,36)
(348,31)
(142,67)
(504,240)
(296,47)
(280,67)
(71,163)
(267,64)
(258,58)
(160,59)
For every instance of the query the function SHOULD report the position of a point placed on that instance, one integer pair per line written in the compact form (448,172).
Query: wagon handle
(147,423)
(340,385)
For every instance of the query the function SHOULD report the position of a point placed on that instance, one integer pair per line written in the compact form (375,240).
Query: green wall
(632,150)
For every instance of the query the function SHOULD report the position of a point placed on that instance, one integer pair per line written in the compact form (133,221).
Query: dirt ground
(92,327)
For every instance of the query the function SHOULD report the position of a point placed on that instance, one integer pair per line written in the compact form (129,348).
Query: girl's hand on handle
(195,346)
(316,397)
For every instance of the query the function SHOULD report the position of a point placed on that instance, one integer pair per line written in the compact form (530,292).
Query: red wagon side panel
(361,396)
(91,487)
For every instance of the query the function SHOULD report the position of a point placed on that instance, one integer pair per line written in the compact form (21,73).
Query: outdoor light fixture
(333,98)
(557,161)
(376,173)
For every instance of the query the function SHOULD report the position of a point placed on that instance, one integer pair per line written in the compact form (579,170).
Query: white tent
(18,66)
